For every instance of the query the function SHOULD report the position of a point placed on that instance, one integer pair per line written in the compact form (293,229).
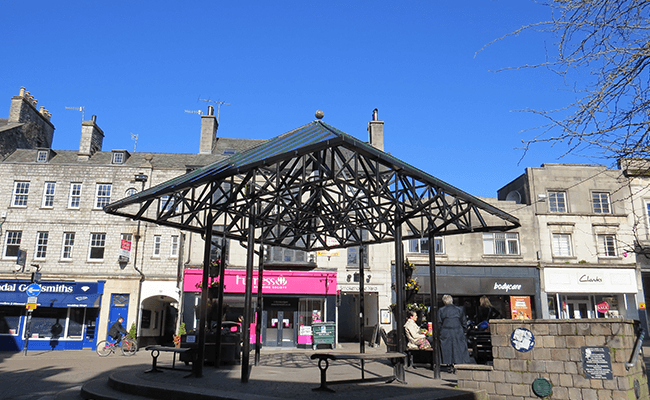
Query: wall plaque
(596,362)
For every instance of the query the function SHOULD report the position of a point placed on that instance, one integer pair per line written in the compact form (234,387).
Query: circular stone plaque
(542,387)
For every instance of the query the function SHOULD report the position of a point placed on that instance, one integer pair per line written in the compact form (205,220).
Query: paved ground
(282,373)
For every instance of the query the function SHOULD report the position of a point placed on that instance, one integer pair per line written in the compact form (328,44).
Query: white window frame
(601,203)
(130,192)
(40,252)
(607,245)
(13,239)
(562,245)
(166,204)
(97,241)
(555,197)
(118,157)
(41,156)
(421,245)
(67,246)
(102,195)
(74,198)
(501,244)
(157,241)
(174,246)
(49,190)
(20,194)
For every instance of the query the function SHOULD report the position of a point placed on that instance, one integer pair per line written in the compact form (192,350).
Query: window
(166,203)
(41,245)
(41,156)
(21,191)
(97,245)
(103,195)
(422,246)
(562,245)
(557,202)
(75,195)
(607,245)
(173,252)
(12,243)
(48,194)
(500,243)
(156,245)
(68,245)
(601,203)
(130,192)
(118,158)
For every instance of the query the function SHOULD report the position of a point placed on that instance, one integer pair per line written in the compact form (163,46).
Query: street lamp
(138,178)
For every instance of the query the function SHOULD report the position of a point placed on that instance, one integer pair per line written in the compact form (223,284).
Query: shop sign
(355,288)
(602,307)
(273,282)
(590,280)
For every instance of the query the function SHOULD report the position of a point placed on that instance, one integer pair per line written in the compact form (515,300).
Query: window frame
(20,194)
(174,246)
(607,249)
(417,246)
(600,203)
(42,156)
(74,195)
(67,245)
(95,239)
(40,250)
(102,195)
(118,157)
(501,240)
(557,250)
(157,245)
(48,197)
(15,242)
(553,206)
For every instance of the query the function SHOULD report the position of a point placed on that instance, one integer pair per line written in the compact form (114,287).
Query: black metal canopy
(315,187)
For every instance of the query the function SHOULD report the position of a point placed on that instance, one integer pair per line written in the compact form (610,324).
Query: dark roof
(311,183)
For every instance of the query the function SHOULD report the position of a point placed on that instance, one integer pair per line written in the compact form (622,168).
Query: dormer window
(119,156)
(43,155)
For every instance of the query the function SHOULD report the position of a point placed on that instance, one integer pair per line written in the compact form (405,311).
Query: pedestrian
(453,343)
(486,312)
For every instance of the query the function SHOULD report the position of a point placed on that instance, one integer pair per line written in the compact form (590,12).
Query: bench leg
(154,355)
(323,376)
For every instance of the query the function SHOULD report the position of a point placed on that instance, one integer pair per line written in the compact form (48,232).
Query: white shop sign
(589,280)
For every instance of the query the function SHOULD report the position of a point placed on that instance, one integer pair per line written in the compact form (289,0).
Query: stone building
(26,126)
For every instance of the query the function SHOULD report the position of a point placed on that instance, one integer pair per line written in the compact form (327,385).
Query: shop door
(280,327)
(119,308)
(578,307)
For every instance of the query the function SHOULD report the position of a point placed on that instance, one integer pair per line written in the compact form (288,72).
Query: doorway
(280,326)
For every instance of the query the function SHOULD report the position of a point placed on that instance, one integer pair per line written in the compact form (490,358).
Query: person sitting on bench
(416,339)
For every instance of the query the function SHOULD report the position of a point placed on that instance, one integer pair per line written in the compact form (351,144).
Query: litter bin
(323,333)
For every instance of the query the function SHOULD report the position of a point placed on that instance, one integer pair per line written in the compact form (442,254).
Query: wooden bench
(323,364)
(155,352)
(415,356)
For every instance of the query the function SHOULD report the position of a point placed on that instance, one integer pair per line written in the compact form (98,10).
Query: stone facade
(557,356)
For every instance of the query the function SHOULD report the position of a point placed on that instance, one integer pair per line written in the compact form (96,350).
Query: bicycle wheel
(129,347)
(104,348)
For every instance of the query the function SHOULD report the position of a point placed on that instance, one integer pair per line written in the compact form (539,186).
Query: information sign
(30,306)
(596,362)
(33,290)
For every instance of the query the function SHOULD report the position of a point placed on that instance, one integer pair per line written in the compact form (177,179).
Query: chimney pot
(210,110)
(94,119)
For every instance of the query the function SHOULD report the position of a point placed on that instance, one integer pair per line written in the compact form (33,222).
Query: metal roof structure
(315,187)
(312,188)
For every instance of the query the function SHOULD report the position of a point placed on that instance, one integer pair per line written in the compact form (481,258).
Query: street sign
(30,306)
(33,290)
(32,299)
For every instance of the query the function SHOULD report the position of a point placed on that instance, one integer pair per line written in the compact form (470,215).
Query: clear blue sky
(139,65)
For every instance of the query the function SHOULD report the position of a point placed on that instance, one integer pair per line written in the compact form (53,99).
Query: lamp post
(138,178)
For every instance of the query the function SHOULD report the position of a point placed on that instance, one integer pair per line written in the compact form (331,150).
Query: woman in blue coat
(452,323)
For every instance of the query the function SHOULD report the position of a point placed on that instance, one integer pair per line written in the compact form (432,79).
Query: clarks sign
(590,279)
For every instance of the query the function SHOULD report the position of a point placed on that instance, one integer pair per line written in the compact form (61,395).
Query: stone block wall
(557,356)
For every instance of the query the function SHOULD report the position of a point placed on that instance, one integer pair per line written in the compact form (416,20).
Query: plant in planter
(133,332)
(181,331)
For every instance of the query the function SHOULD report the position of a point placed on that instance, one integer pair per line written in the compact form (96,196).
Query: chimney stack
(92,138)
(376,131)
(209,125)
(23,110)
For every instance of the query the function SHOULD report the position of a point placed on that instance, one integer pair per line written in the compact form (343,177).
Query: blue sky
(139,65)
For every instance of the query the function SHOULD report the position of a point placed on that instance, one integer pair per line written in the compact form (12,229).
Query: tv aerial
(82,109)
(217,102)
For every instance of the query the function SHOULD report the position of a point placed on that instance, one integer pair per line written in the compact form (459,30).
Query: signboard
(33,290)
(30,306)
(602,307)
(520,307)
(125,250)
(522,340)
(596,362)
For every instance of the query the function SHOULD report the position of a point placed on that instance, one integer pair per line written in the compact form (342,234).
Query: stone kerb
(557,356)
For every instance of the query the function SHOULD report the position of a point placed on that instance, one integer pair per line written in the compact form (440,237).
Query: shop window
(557,202)
(21,192)
(74,199)
(500,243)
(76,323)
(102,195)
(562,245)
(601,203)
(607,245)
(49,322)
(12,243)
(10,320)
(97,246)
(48,194)
(310,311)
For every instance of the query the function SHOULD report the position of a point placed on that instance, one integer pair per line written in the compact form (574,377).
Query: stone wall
(557,356)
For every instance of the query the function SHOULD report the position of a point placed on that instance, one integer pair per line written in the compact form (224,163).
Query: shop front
(512,291)
(574,293)
(292,301)
(64,315)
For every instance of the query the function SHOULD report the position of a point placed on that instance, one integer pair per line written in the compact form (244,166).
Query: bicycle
(127,346)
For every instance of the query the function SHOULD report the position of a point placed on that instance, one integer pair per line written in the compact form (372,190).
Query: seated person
(416,339)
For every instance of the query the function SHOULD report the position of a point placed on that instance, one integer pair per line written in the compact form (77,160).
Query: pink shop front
(292,301)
